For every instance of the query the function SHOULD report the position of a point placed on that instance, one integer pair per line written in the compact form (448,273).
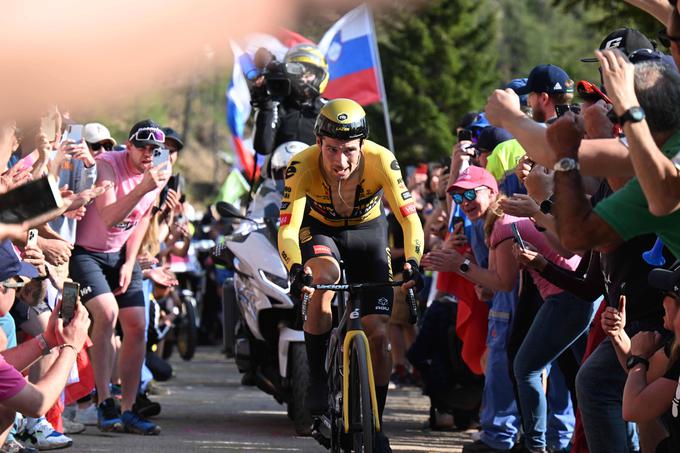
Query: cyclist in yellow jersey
(331,210)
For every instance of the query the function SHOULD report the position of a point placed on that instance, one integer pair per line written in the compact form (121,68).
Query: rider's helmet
(275,163)
(314,61)
(342,119)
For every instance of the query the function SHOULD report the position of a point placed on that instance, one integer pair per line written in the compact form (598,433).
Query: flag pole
(381,82)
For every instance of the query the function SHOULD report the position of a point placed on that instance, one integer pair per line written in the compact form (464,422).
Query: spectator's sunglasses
(469,195)
(97,146)
(666,40)
(590,92)
(148,133)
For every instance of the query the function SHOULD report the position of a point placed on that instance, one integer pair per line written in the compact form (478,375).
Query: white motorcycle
(268,341)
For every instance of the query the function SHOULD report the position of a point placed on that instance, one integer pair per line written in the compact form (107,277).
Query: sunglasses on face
(469,195)
(148,133)
(97,146)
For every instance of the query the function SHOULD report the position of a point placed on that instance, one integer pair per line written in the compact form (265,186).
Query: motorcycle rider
(331,210)
(288,98)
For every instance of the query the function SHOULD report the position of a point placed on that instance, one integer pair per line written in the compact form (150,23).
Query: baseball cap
(518,84)
(628,40)
(665,280)
(490,137)
(480,122)
(10,264)
(547,78)
(97,133)
(171,134)
(147,132)
(473,177)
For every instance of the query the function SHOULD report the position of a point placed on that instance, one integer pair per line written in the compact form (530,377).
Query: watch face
(637,114)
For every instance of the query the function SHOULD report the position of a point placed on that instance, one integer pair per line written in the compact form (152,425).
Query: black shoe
(108,416)
(317,397)
(144,407)
(249,379)
(382,443)
(480,447)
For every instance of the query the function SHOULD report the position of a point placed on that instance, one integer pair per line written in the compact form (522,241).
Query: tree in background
(438,63)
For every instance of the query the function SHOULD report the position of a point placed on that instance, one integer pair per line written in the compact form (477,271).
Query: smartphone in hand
(75,133)
(518,237)
(32,237)
(160,156)
(69,299)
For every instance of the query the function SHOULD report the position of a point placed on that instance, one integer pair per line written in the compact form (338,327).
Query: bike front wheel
(362,426)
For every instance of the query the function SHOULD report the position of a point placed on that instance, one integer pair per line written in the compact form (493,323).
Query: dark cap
(11,265)
(547,78)
(628,40)
(665,280)
(147,132)
(518,84)
(490,137)
(171,134)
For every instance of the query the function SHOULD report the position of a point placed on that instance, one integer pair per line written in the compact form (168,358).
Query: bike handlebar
(410,295)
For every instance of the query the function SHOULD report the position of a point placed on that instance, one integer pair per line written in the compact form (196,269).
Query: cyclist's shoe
(317,397)
(144,407)
(108,416)
(44,437)
(135,424)
(382,443)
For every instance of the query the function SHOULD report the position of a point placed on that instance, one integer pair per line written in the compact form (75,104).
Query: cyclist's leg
(367,260)
(321,255)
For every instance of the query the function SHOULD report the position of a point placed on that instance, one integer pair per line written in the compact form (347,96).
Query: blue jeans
(559,324)
(599,390)
(499,416)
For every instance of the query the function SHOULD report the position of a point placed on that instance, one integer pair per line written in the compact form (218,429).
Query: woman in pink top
(104,262)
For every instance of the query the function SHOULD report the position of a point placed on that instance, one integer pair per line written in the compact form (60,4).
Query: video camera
(283,79)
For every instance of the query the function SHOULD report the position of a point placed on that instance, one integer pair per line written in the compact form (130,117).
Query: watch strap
(628,116)
(636,360)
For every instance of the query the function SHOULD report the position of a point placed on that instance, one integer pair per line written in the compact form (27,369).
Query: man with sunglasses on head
(104,262)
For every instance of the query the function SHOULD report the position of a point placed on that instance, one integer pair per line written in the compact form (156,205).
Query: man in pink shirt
(104,263)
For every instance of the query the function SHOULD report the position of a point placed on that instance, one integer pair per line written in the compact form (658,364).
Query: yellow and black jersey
(307,193)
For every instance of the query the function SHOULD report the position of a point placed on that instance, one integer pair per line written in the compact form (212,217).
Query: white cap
(97,132)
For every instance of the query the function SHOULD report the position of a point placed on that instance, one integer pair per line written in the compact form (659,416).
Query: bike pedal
(318,435)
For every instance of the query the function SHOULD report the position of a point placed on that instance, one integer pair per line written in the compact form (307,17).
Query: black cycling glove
(298,280)
(416,275)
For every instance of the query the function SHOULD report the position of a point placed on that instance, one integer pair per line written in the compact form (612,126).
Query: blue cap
(518,84)
(480,122)
(547,78)
(641,55)
(490,137)
(11,265)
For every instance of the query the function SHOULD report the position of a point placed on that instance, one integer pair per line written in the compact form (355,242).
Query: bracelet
(66,345)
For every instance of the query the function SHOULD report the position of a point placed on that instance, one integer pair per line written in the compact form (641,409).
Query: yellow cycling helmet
(313,59)
(343,119)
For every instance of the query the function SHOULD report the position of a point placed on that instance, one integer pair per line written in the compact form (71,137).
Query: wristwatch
(465,266)
(43,344)
(634,360)
(566,164)
(546,205)
(633,114)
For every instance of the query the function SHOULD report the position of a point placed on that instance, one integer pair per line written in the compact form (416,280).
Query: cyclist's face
(340,157)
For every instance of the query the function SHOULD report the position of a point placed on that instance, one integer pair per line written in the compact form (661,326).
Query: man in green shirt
(626,213)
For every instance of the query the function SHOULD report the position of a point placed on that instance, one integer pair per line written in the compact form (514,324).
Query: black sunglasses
(97,146)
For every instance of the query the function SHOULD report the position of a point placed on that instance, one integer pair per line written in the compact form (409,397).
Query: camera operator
(288,97)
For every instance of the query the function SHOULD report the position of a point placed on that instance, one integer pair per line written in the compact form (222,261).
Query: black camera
(283,79)
(561,109)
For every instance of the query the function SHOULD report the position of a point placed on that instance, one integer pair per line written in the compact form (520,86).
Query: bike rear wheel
(186,330)
(362,427)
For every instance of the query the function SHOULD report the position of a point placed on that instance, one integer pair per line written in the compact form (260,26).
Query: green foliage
(437,64)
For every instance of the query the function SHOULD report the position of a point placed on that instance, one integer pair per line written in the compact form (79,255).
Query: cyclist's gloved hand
(415,275)
(298,280)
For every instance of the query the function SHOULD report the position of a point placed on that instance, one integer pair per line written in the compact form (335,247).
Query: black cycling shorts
(363,249)
(99,273)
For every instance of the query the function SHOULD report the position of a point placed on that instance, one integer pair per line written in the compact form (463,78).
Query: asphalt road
(207,409)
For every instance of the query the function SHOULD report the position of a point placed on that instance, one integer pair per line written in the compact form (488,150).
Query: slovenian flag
(238,93)
(351,53)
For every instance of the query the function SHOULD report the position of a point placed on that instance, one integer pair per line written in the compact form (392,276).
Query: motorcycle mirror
(225,209)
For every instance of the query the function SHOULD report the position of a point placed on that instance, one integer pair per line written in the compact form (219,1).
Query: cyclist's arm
(266,124)
(403,206)
(290,218)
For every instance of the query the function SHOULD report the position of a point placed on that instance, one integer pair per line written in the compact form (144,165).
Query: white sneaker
(87,416)
(44,437)
(71,427)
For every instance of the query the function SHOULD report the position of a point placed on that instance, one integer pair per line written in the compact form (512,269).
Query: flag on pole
(349,46)
(238,93)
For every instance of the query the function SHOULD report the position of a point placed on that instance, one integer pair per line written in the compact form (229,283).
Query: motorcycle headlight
(274,279)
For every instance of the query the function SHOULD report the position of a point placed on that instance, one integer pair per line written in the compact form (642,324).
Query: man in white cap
(98,138)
